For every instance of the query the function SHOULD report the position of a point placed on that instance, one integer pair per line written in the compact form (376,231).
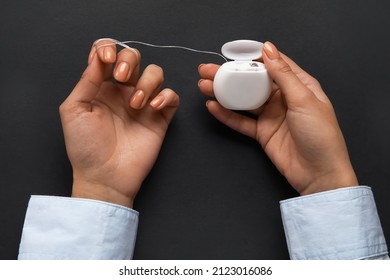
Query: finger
(88,86)
(91,54)
(106,50)
(258,111)
(148,84)
(306,78)
(127,66)
(208,71)
(236,121)
(295,67)
(295,92)
(302,74)
(206,87)
(166,98)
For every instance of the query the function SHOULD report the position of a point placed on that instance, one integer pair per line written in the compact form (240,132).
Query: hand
(114,131)
(297,127)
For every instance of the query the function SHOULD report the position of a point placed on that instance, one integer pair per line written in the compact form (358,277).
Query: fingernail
(137,99)
(207,103)
(271,51)
(157,101)
(108,54)
(122,71)
(199,82)
(200,66)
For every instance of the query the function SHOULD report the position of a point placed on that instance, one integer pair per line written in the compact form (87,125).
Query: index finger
(208,71)
(106,49)
(305,78)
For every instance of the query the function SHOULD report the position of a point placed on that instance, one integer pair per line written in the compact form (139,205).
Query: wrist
(96,191)
(331,182)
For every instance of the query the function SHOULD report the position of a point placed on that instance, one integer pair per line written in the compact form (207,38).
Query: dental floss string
(123,44)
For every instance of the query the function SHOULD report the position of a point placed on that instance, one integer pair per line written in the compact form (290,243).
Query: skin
(297,127)
(114,131)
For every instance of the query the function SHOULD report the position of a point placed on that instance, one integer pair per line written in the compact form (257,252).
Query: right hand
(297,127)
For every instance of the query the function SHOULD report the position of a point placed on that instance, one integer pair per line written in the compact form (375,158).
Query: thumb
(88,87)
(281,72)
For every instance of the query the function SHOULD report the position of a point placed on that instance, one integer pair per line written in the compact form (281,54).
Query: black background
(213,194)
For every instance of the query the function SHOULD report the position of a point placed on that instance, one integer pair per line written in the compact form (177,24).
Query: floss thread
(124,45)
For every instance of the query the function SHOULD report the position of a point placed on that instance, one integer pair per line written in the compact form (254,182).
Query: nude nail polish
(271,51)
(108,55)
(157,101)
(122,71)
(138,99)
(200,66)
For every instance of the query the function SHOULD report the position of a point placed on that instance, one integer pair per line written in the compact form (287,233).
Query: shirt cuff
(337,224)
(73,228)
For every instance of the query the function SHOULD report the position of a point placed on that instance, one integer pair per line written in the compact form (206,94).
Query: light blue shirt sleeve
(337,224)
(72,228)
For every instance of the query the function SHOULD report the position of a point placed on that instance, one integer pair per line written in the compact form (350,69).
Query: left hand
(114,131)
(297,127)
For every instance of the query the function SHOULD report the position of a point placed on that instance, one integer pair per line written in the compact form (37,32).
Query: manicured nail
(137,99)
(200,66)
(271,51)
(157,102)
(108,54)
(122,71)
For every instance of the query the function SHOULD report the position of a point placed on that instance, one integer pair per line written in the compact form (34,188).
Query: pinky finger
(166,98)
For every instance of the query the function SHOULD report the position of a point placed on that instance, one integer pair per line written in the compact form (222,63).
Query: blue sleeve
(72,228)
(337,224)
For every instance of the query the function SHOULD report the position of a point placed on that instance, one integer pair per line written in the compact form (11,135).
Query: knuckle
(315,82)
(62,107)
(146,81)
(65,108)
(155,68)
(156,71)
(130,55)
(136,53)
(170,93)
(284,68)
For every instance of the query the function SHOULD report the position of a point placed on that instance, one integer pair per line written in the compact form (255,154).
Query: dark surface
(213,193)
